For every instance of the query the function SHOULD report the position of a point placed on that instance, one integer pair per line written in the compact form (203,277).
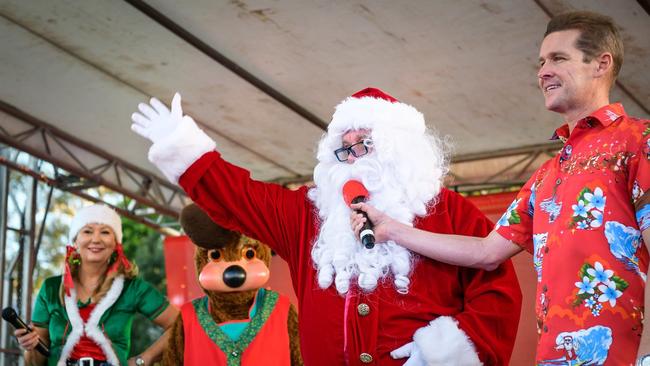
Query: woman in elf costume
(85,316)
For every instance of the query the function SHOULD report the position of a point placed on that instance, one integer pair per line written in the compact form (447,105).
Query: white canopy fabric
(469,66)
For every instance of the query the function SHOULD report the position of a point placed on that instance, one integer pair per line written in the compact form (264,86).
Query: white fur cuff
(174,153)
(442,342)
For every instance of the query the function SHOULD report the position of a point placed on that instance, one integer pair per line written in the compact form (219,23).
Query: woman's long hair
(106,281)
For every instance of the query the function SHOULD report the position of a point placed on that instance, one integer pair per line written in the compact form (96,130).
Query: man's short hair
(598,34)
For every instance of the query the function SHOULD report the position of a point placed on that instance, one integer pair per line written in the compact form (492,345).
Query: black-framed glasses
(357,150)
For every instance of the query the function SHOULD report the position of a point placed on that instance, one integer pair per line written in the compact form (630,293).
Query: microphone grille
(353,189)
(8,313)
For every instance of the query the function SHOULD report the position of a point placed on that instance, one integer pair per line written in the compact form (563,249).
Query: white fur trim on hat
(96,214)
(442,342)
(177,151)
(372,113)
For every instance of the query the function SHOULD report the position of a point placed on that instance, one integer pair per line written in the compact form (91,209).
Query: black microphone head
(9,313)
(368,241)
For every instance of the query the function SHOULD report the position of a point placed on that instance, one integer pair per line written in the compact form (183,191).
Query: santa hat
(373,109)
(96,214)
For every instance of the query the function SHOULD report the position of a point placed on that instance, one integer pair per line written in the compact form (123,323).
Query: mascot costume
(238,322)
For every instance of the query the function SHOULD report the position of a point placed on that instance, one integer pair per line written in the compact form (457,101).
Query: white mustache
(367,170)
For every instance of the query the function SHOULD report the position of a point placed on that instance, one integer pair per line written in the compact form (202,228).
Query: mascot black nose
(234,276)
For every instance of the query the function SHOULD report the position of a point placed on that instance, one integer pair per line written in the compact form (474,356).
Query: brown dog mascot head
(231,269)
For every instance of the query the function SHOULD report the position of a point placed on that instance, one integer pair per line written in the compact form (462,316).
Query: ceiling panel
(469,66)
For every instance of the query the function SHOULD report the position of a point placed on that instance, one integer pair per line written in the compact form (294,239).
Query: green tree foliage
(144,247)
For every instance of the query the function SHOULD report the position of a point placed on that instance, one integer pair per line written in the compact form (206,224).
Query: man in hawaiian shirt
(584,215)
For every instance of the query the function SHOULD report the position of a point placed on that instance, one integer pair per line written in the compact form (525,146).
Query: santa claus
(357,306)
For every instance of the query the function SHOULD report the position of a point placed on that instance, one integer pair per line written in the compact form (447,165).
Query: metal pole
(39,238)
(27,251)
(4,193)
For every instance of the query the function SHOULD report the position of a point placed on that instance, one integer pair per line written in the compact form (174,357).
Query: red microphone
(355,192)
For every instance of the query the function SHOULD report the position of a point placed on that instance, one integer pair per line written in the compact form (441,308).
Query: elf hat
(96,214)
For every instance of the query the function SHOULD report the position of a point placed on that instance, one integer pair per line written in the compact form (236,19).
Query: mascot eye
(248,253)
(215,254)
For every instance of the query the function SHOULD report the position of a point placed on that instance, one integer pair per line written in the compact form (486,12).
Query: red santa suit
(453,315)
(362,328)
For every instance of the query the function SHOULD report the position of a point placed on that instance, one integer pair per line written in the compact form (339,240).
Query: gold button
(365,357)
(363,309)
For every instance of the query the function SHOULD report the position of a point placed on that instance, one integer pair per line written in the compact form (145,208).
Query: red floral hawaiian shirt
(582,215)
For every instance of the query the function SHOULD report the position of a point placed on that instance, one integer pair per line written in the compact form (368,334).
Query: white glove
(411,351)
(441,343)
(156,121)
(177,140)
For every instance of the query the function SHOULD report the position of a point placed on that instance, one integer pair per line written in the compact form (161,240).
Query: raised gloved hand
(177,140)
(155,121)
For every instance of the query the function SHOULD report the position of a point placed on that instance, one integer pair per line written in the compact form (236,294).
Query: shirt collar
(605,116)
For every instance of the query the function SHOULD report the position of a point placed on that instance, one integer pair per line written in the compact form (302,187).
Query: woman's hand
(155,352)
(131,361)
(382,223)
(27,340)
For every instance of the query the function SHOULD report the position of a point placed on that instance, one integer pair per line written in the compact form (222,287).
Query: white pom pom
(368,281)
(325,276)
(342,284)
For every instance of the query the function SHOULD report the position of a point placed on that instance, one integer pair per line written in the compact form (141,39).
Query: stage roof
(262,77)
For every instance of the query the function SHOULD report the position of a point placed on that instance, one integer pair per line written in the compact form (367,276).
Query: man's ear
(604,64)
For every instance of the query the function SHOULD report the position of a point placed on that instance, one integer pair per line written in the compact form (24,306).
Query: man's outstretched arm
(467,251)
(644,347)
(484,328)
(187,156)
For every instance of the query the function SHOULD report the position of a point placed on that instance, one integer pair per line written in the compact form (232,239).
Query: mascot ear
(203,231)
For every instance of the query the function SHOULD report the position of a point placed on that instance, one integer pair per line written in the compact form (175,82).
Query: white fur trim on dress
(174,153)
(91,327)
(442,342)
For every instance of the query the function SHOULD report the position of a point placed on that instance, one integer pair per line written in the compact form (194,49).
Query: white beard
(399,187)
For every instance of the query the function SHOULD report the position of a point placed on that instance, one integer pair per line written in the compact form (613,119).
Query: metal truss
(153,199)
(17,255)
(39,153)
(509,168)
(80,166)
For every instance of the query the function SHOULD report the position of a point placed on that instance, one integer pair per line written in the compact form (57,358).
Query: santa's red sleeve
(264,211)
(492,299)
